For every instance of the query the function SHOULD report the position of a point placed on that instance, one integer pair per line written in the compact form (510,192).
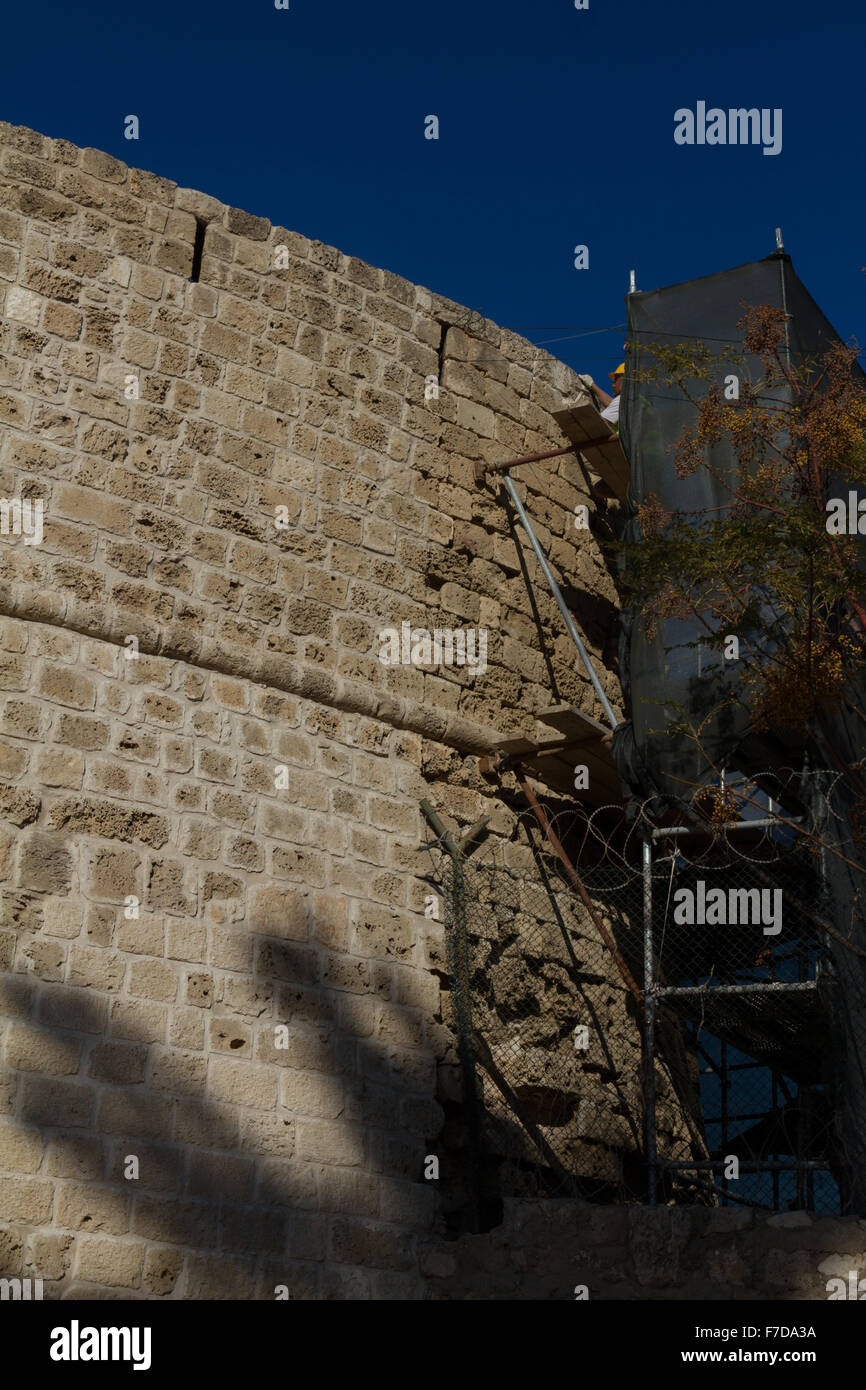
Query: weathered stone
(209,820)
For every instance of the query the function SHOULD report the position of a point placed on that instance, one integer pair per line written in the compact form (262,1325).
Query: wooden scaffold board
(581,423)
(552,761)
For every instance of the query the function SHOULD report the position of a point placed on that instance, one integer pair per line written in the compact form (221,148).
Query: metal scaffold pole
(461,964)
(560,601)
(649,1022)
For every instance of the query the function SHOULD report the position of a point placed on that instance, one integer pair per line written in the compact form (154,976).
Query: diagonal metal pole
(560,601)
(577,884)
(489,1064)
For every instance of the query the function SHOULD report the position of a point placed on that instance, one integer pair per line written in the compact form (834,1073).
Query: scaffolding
(703,1046)
(753,1018)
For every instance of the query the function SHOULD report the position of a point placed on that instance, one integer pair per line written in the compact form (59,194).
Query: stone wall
(555,1250)
(209,782)
(170,912)
(301,387)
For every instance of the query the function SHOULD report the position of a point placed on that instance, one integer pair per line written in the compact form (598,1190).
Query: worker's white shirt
(611,412)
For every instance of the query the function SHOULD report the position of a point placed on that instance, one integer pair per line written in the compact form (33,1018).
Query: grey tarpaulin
(653,762)
(705,311)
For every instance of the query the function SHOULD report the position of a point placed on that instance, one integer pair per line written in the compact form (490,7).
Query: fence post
(649,1021)
(458,947)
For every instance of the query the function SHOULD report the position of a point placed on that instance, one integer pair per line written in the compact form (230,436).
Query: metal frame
(649,1005)
(560,601)
(804,1168)
(463,1001)
(472,1046)
(503,469)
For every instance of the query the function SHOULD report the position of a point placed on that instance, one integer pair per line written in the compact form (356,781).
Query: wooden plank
(512,747)
(559,775)
(582,422)
(602,772)
(552,773)
(567,719)
(552,760)
(571,730)
(590,742)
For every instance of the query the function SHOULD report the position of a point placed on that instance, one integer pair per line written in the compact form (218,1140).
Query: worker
(610,403)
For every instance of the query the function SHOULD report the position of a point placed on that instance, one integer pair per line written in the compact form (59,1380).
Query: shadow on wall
(306,1173)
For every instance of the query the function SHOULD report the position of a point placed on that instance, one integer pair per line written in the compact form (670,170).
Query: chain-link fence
(704,951)
(555,1043)
(737,961)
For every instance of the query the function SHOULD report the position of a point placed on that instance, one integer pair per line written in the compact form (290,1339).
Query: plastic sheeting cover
(650,759)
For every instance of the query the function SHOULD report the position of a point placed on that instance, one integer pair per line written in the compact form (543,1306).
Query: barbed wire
(560,1050)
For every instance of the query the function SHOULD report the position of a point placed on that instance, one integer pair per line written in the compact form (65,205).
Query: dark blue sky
(556,128)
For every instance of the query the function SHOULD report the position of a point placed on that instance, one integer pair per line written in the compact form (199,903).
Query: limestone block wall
(565,1250)
(261,387)
(221,1013)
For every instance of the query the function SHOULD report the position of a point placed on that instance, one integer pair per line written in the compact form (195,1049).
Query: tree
(779,567)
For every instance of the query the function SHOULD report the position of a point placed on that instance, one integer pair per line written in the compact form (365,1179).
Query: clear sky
(556,129)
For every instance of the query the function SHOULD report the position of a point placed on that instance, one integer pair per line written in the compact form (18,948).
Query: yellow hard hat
(620,371)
